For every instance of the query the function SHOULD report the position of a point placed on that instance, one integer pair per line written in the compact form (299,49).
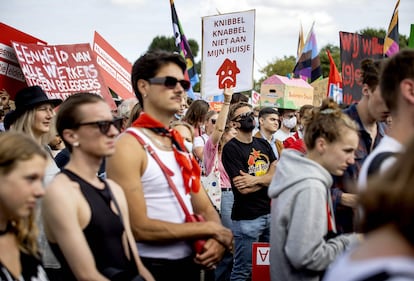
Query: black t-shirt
(32,270)
(253,158)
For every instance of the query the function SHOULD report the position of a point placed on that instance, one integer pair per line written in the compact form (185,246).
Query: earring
(75,144)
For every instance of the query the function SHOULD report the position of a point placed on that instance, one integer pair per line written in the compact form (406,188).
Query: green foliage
(323,56)
(282,67)
(381,33)
(168,44)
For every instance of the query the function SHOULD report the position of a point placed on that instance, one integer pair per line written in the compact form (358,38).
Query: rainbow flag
(309,64)
(392,38)
(182,43)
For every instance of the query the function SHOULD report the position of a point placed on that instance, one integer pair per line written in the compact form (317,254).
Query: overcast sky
(130,25)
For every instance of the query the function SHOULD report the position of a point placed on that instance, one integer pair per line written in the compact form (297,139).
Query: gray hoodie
(299,221)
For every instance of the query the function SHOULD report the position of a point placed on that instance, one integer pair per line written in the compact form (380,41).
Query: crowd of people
(90,193)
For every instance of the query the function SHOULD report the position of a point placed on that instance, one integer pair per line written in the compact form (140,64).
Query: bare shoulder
(128,152)
(115,188)
(61,187)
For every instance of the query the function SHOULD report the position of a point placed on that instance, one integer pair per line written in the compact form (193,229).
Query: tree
(323,56)
(168,44)
(282,67)
(381,33)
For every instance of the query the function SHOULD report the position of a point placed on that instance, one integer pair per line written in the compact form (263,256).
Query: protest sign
(228,52)
(11,76)
(355,48)
(61,70)
(114,68)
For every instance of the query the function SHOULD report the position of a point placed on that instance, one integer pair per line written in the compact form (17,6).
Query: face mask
(188,145)
(290,123)
(177,116)
(247,124)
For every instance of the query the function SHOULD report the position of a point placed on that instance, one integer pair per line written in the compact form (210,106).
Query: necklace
(158,142)
(6,230)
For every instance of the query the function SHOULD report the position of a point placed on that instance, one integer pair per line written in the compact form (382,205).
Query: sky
(130,25)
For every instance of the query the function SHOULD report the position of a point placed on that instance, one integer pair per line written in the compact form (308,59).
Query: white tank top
(161,202)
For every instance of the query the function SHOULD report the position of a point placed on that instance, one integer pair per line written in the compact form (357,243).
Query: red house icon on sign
(227,74)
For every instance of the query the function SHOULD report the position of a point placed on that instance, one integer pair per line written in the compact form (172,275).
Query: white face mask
(290,123)
(188,145)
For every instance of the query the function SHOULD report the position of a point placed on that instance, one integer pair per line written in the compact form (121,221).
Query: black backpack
(376,163)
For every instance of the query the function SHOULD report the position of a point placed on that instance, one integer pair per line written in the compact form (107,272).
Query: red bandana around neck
(189,167)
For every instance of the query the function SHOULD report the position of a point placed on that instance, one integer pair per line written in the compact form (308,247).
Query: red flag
(335,81)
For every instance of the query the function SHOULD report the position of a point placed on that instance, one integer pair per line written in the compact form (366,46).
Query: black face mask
(247,124)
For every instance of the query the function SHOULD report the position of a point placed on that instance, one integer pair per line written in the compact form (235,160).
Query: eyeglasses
(170,82)
(243,115)
(213,121)
(104,126)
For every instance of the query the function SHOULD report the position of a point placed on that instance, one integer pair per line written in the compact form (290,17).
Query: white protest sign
(228,52)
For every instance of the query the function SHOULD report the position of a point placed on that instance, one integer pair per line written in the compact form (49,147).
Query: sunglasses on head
(104,126)
(244,115)
(170,82)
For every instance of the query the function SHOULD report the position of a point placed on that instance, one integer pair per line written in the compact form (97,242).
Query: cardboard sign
(355,48)
(260,262)
(283,92)
(11,76)
(61,70)
(114,68)
(228,52)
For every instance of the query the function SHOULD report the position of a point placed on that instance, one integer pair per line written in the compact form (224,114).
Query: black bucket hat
(25,100)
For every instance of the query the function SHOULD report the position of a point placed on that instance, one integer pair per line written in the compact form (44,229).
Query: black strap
(376,163)
(167,172)
(75,177)
(122,221)
(384,275)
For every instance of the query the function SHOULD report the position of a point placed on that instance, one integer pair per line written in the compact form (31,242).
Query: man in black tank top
(86,218)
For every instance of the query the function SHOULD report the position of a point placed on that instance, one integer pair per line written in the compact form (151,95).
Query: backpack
(376,163)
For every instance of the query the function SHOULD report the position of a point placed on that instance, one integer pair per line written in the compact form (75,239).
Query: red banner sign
(61,70)
(115,69)
(11,76)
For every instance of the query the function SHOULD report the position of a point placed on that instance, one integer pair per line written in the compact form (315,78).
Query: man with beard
(250,164)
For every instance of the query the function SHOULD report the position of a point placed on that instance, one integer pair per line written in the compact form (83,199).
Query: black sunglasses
(170,82)
(243,115)
(213,121)
(104,126)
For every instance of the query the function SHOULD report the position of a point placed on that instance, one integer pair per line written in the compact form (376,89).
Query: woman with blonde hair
(33,116)
(22,167)
(303,239)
